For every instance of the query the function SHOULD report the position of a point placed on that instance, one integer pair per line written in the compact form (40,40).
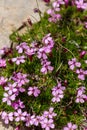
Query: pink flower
(1,51)
(55,18)
(73,63)
(11,88)
(61,2)
(2,63)
(3,80)
(86,25)
(20,78)
(70,126)
(30,51)
(46,67)
(49,114)
(18,104)
(7,117)
(81,4)
(30,120)
(8,98)
(81,74)
(47,124)
(33,91)
(81,97)
(19,60)
(48,40)
(82,54)
(58,93)
(56,6)
(22,47)
(19,115)
(37,120)
(41,54)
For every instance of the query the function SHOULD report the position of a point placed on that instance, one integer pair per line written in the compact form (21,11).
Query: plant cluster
(43,79)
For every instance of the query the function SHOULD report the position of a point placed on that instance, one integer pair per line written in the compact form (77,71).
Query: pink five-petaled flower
(73,63)
(55,18)
(11,88)
(18,104)
(22,47)
(81,74)
(49,114)
(30,51)
(2,63)
(20,78)
(48,40)
(29,120)
(70,126)
(19,60)
(3,80)
(7,117)
(56,6)
(58,93)
(8,98)
(81,4)
(19,115)
(47,124)
(81,97)
(41,54)
(33,91)
(46,67)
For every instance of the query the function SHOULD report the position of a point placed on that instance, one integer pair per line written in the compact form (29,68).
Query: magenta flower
(3,80)
(8,98)
(56,6)
(22,47)
(30,120)
(2,63)
(86,25)
(37,120)
(46,67)
(33,91)
(19,115)
(1,51)
(55,18)
(47,124)
(81,4)
(30,51)
(7,117)
(41,54)
(20,78)
(70,126)
(48,40)
(18,104)
(73,63)
(11,88)
(81,74)
(19,60)
(58,93)
(82,54)
(18,127)
(81,97)
(61,2)
(49,114)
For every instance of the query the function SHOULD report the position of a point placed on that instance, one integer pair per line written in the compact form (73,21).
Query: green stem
(67,49)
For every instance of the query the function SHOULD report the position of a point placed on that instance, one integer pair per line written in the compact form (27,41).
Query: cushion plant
(43,79)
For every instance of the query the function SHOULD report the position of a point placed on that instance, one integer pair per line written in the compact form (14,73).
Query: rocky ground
(13,13)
